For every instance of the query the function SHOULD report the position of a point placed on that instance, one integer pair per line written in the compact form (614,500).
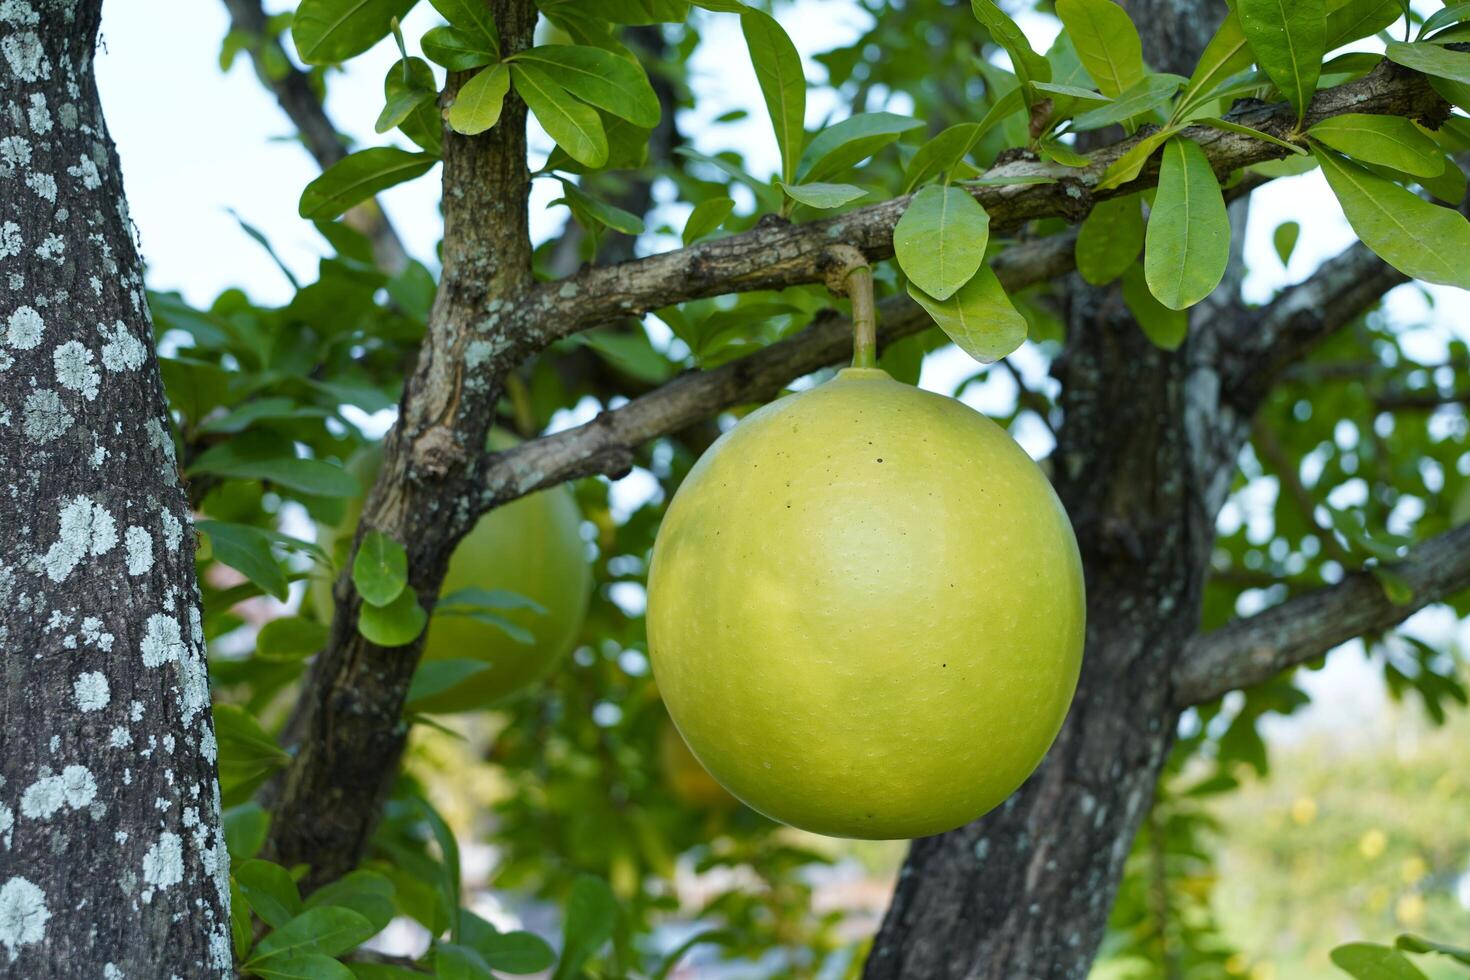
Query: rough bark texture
(112,862)
(353,730)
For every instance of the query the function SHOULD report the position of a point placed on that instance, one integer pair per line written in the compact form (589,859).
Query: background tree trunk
(112,861)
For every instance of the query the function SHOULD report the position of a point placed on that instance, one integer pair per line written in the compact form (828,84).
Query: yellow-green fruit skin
(866,610)
(531,546)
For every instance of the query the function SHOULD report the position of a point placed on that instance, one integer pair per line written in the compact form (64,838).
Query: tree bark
(112,861)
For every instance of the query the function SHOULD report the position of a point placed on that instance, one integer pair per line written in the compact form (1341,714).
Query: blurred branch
(1288,472)
(1423,401)
(605,445)
(298,99)
(1253,650)
(776,254)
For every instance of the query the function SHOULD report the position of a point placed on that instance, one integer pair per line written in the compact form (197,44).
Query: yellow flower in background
(1413,869)
(1303,810)
(1372,844)
(1409,910)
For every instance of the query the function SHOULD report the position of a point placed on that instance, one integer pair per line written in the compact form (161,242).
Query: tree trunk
(112,861)
(1143,463)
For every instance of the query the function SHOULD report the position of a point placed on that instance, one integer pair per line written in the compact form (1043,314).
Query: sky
(199,145)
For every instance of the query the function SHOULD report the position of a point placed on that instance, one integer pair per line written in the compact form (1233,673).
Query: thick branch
(300,102)
(775,254)
(605,445)
(1253,650)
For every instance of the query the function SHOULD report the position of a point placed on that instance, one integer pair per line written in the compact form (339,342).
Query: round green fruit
(866,610)
(532,546)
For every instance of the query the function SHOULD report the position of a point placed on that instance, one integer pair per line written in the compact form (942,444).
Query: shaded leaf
(783,86)
(603,213)
(270,890)
(357,177)
(1431,59)
(290,638)
(1028,65)
(1289,40)
(1110,239)
(851,141)
(329,930)
(1284,240)
(1390,141)
(1187,245)
(1130,164)
(980,318)
(706,217)
(327,31)
(247,550)
(457,50)
(1165,328)
(591,915)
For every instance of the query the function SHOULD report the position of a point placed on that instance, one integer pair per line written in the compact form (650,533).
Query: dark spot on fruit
(880,459)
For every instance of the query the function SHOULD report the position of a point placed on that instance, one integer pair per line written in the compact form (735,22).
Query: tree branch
(300,102)
(775,254)
(605,445)
(1253,650)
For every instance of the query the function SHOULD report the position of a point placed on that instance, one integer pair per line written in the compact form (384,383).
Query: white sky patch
(23,915)
(91,691)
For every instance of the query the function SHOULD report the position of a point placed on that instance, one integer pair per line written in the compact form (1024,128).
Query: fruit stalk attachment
(864,317)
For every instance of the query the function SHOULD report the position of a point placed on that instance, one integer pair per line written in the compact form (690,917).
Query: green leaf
(327,31)
(1234,127)
(1419,239)
(591,915)
(449,856)
(329,930)
(1418,944)
(1226,54)
(819,195)
(600,211)
(357,177)
(1396,588)
(515,952)
(380,570)
(457,50)
(270,890)
(1431,59)
(1450,14)
(1187,245)
(1389,141)
(783,86)
(1028,65)
(575,126)
(1106,42)
(245,459)
(1130,164)
(434,677)
(309,966)
(290,638)
(851,141)
(1165,328)
(718,937)
(940,240)
(1289,40)
(367,893)
(1110,239)
(1368,961)
(408,85)
(472,18)
(979,318)
(478,103)
(393,625)
(1284,238)
(1146,96)
(245,829)
(614,84)
(455,962)
(1359,19)
(706,217)
(944,152)
(242,928)
(247,550)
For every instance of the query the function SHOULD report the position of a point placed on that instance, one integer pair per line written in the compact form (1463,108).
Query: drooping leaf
(851,141)
(1165,328)
(783,85)
(591,915)
(940,240)
(1148,95)
(1110,239)
(1284,240)
(980,318)
(824,196)
(478,103)
(1369,961)
(1187,245)
(1390,141)
(706,217)
(380,570)
(357,177)
(395,624)
(574,125)
(408,85)
(1106,42)
(1289,39)
(1431,59)
(1420,239)
(597,76)
(327,31)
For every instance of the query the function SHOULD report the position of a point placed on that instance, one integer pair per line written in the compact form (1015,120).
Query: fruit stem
(864,317)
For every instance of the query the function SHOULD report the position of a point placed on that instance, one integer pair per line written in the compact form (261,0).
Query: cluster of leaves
(270,405)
